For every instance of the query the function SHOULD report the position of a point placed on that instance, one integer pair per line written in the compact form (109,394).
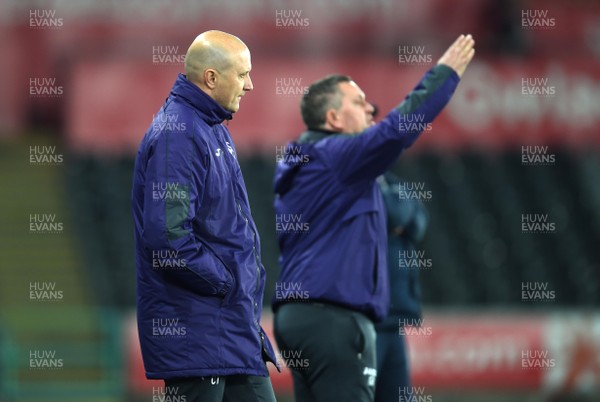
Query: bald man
(200,280)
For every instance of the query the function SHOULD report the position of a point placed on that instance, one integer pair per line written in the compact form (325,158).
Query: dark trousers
(330,351)
(393,379)
(234,388)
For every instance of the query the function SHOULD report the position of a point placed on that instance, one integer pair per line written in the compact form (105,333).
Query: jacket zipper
(264,353)
(255,259)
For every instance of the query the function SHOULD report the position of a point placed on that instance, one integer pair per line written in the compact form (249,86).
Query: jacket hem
(163,375)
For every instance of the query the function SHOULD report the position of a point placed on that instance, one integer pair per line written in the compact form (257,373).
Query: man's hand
(459,54)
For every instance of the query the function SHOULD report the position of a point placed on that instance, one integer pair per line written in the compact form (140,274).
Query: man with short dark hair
(324,94)
(339,265)
(200,279)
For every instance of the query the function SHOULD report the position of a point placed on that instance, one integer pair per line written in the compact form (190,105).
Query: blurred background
(509,172)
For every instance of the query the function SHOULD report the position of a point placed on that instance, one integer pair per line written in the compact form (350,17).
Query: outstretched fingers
(459,54)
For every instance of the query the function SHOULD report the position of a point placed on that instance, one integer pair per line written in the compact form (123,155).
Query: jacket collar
(315,135)
(210,111)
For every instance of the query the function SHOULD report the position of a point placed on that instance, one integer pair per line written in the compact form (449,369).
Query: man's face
(234,82)
(355,113)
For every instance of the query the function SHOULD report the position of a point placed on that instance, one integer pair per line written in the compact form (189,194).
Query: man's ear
(210,78)
(332,119)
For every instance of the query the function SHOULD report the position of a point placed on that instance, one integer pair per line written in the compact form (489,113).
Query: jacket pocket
(204,272)
(219,264)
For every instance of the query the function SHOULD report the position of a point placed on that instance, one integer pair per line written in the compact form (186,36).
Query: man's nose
(248,86)
(372,109)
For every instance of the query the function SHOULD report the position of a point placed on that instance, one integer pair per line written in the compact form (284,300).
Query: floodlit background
(510,175)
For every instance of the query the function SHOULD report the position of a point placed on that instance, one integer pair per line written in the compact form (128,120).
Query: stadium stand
(480,254)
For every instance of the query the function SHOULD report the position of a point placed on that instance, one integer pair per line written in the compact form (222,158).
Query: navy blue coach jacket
(200,280)
(328,182)
(409,214)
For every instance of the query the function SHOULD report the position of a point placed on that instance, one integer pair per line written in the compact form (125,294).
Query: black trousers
(330,350)
(234,388)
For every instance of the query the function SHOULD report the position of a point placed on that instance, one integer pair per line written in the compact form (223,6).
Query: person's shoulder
(341,139)
(182,108)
